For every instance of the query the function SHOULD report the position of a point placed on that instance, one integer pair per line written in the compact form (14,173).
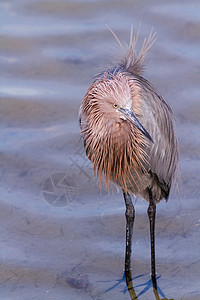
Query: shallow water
(61,243)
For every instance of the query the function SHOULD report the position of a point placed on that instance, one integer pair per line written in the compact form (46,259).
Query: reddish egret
(128,133)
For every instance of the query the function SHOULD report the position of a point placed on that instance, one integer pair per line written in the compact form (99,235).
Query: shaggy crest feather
(131,61)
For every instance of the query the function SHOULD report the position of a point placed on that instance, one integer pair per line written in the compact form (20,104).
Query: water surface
(61,243)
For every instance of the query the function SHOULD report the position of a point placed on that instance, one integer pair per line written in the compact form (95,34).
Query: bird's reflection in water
(127,277)
(147,285)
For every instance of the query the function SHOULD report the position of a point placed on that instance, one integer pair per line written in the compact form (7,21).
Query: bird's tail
(131,61)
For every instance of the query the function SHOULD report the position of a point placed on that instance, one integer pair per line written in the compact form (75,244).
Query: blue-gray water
(72,247)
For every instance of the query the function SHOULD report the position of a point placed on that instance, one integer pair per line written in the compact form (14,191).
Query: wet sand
(60,237)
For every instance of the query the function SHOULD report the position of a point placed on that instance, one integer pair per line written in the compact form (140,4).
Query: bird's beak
(129,115)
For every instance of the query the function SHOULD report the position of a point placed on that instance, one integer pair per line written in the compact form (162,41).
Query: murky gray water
(61,243)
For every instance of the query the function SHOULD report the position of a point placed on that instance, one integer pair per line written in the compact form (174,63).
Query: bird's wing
(157,118)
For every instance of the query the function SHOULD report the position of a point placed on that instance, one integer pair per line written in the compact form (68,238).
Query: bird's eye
(115,105)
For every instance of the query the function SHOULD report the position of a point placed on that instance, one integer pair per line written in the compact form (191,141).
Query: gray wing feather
(157,118)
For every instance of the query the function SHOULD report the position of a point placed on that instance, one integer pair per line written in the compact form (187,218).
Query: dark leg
(130,287)
(130,216)
(152,215)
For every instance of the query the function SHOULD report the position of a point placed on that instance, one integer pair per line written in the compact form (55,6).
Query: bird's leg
(130,216)
(152,215)
(129,283)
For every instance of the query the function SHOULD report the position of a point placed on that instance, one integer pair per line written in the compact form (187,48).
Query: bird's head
(117,98)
